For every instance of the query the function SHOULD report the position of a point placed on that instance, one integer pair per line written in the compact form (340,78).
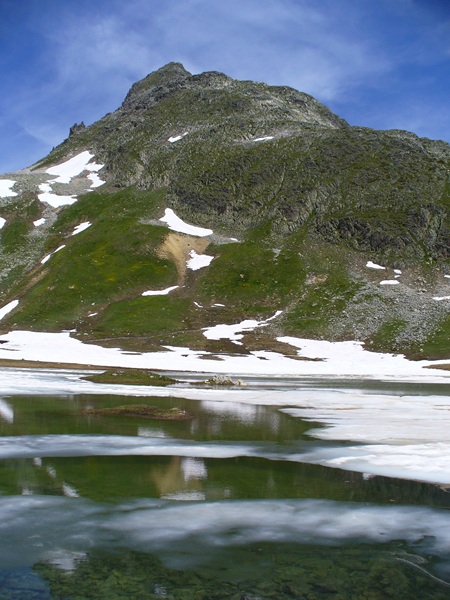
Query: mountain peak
(300,202)
(171,70)
(167,78)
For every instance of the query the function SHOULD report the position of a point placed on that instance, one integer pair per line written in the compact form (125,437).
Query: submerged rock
(141,410)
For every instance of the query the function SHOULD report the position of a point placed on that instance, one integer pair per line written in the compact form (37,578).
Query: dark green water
(211,507)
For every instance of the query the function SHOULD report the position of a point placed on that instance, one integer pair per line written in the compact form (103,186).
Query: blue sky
(377,63)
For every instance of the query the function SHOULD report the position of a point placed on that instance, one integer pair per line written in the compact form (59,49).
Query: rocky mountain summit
(344,231)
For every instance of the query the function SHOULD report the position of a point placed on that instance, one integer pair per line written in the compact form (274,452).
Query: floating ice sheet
(420,462)
(393,434)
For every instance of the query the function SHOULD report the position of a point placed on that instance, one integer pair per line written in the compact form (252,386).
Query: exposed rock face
(156,86)
(76,128)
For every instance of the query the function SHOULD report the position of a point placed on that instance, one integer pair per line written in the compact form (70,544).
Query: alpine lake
(213,502)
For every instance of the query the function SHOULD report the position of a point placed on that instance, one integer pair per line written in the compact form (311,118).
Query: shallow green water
(212,507)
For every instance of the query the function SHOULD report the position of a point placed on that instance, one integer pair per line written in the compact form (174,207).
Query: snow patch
(2,222)
(236,331)
(46,258)
(81,227)
(55,200)
(176,224)
(177,138)
(389,282)
(6,186)
(198,261)
(160,292)
(39,222)
(66,171)
(8,308)
(263,139)
(96,181)
(439,298)
(372,265)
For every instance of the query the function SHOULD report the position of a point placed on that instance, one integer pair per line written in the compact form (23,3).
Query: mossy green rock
(131,377)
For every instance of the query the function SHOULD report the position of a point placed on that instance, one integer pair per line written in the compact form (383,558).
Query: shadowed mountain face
(310,199)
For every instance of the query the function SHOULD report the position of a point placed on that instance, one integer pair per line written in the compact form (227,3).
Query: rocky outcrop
(77,128)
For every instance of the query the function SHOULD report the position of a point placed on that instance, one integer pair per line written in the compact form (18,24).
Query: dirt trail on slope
(177,247)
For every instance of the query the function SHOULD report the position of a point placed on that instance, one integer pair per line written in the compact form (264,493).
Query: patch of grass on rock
(131,377)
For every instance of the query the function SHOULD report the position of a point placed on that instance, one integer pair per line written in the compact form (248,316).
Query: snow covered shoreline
(340,360)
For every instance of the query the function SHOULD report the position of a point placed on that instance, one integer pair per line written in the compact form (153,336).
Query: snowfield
(73,167)
(340,360)
(64,173)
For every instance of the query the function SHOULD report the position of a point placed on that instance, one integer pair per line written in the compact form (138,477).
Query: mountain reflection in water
(218,506)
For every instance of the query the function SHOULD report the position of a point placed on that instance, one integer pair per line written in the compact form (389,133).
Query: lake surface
(230,503)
